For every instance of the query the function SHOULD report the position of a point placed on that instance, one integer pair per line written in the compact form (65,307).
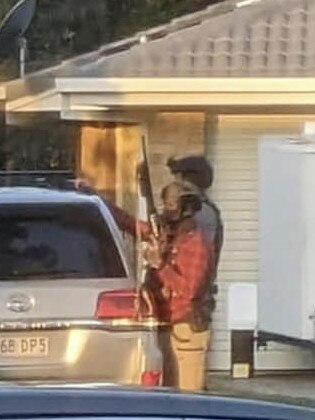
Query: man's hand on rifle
(152,253)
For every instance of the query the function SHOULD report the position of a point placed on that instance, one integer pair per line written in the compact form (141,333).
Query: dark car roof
(112,401)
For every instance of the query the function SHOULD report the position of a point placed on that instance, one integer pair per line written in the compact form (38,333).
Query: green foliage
(49,145)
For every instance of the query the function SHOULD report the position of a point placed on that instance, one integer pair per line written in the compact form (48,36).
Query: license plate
(24,347)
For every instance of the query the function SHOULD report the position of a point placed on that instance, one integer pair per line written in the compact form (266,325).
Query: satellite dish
(12,29)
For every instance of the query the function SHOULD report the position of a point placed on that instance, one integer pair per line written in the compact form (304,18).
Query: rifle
(147,192)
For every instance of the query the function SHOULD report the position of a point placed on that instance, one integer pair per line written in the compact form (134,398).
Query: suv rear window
(56,241)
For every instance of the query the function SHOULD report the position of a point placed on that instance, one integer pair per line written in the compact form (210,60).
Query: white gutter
(186,84)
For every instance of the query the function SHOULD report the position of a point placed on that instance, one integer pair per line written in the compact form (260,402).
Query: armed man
(182,262)
(197,170)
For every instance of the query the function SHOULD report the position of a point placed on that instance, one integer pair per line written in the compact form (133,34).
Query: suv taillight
(123,304)
(151,378)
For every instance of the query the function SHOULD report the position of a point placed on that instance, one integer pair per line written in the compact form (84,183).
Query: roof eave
(86,98)
(112,93)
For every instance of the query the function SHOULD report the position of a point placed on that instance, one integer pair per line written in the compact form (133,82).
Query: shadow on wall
(108,157)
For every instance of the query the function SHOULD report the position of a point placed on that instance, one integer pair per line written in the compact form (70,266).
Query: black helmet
(194,168)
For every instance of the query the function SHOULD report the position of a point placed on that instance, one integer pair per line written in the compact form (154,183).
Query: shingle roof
(266,38)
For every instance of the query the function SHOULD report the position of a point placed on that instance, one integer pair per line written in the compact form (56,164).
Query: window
(56,241)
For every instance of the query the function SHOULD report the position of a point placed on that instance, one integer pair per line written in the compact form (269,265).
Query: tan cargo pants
(185,354)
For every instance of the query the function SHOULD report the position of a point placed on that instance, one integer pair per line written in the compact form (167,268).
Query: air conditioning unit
(286,289)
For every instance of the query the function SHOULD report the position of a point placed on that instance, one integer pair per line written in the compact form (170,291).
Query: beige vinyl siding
(233,152)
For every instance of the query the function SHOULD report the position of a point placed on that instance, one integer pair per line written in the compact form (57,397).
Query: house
(213,83)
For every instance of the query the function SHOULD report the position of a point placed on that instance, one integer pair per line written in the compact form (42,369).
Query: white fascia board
(99,101)
(184,92)
(49,101)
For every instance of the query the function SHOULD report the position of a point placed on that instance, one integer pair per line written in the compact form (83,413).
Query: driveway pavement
(295,388)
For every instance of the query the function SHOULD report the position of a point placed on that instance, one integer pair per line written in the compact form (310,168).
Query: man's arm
(124,220)
(128,223)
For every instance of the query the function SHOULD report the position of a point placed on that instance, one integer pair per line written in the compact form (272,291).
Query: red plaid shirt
(186,267)
(185,272)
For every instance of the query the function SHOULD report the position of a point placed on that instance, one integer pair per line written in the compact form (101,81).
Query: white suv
(68,300)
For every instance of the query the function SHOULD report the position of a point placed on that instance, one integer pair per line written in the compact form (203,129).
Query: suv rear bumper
(113,354)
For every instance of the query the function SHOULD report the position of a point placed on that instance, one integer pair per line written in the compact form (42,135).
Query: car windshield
(48,242)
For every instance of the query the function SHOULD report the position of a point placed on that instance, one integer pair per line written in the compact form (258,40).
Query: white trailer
(286,289)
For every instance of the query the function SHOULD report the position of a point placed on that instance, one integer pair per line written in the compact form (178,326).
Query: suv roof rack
(61,180)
